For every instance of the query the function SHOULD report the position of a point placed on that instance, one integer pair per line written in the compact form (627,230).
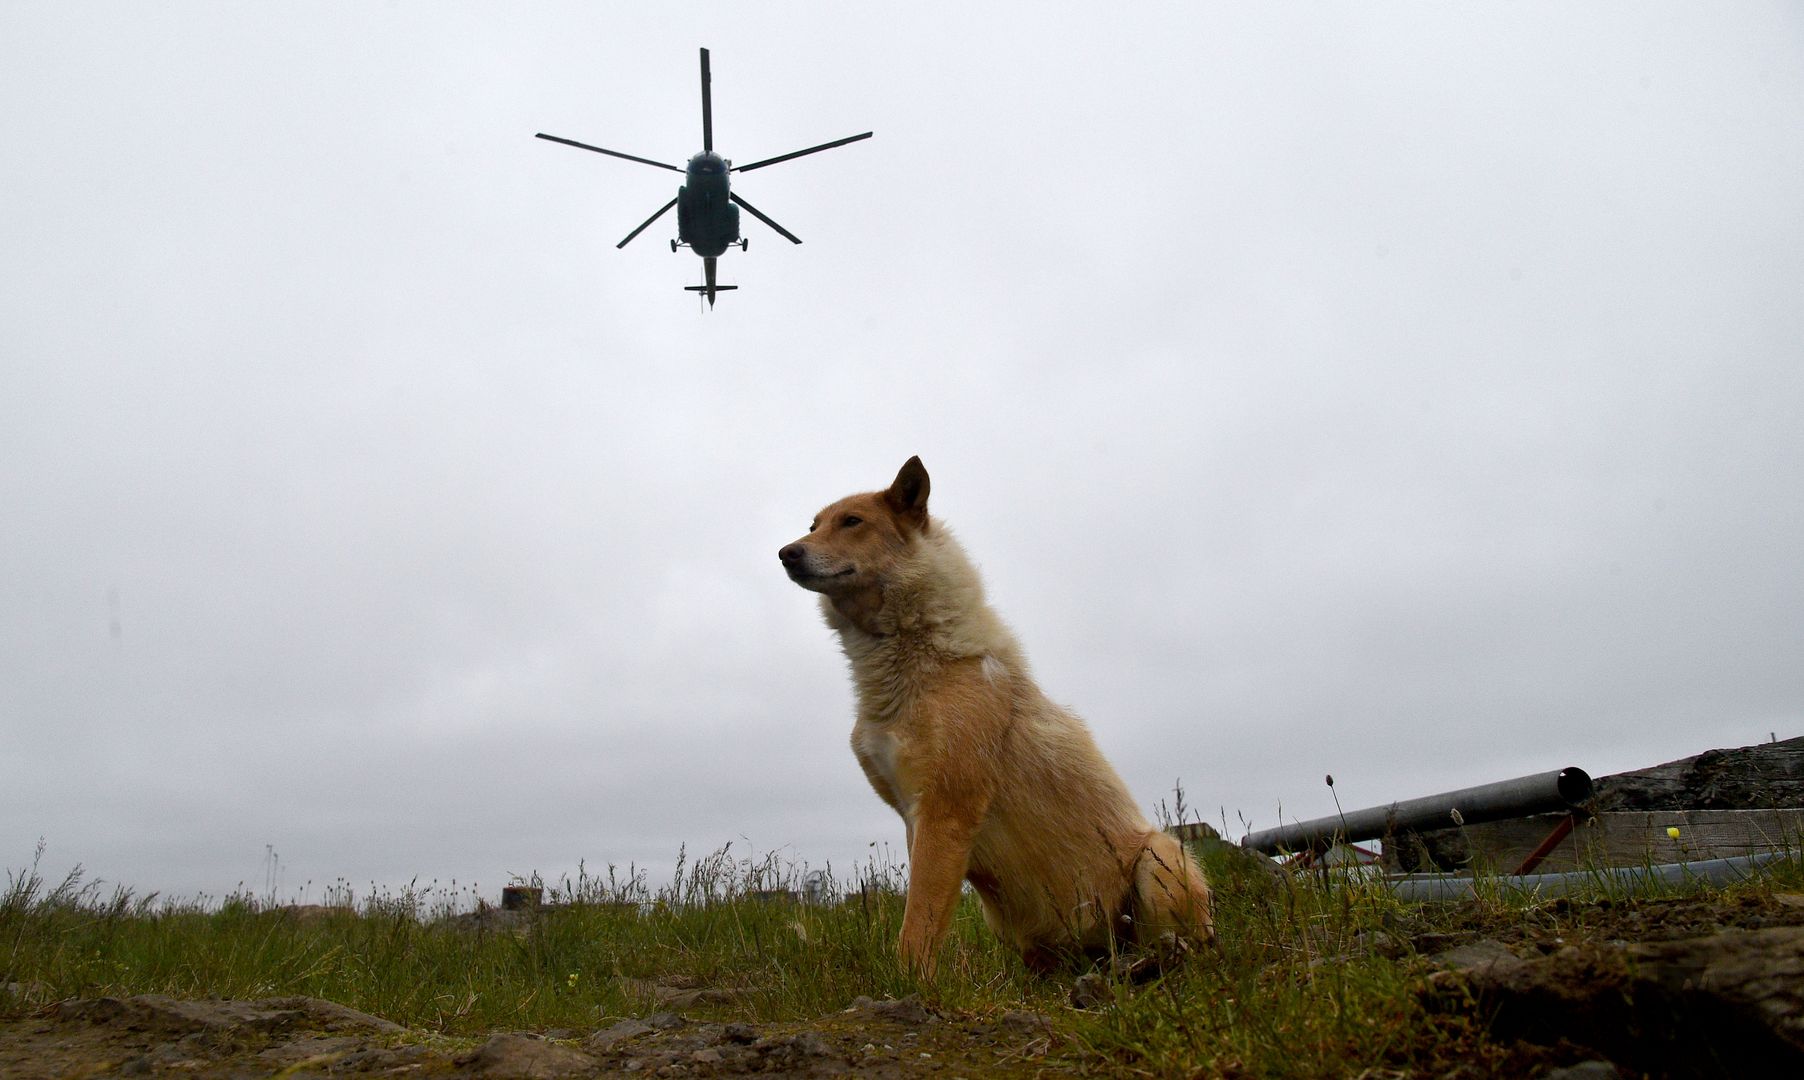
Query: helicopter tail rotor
(709,287)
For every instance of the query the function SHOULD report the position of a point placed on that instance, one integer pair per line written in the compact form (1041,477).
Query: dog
(996,785)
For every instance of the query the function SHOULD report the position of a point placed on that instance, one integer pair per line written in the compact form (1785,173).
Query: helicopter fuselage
(707,220)
(707,210)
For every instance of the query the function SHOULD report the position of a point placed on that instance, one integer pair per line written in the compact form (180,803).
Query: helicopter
(707,208)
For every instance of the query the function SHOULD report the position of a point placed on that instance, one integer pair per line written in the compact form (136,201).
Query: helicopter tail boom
(708,287)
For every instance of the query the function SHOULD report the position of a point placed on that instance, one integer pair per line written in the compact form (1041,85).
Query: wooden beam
(1621,838)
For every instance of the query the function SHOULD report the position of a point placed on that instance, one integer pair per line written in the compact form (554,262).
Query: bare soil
(298,1037)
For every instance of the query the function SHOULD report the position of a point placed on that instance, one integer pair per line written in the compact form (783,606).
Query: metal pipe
(1452,887)
(1566,789)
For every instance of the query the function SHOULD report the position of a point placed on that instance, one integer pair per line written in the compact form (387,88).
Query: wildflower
(1672,831)
(571,981)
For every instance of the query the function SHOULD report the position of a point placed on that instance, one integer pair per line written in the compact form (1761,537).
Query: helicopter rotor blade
(707,108)
(801,153)
(755,212)
(610,153)
(661,212)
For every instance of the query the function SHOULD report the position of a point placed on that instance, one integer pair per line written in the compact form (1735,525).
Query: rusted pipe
(1564,789)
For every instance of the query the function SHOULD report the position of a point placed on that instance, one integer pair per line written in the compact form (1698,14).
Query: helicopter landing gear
(745,244)
(673,247)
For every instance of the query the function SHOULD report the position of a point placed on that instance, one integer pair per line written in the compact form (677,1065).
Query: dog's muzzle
(795,562)
(799,563)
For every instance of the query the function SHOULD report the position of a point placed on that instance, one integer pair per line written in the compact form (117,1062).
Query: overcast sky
(1409,393)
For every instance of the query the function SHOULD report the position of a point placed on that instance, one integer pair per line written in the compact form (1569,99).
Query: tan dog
(998,786)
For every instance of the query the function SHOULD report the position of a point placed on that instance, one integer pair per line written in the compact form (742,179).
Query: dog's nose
(790,553)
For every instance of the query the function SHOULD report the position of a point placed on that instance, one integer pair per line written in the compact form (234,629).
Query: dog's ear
(907,496)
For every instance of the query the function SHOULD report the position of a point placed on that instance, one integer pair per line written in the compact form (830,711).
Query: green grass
(1312,977)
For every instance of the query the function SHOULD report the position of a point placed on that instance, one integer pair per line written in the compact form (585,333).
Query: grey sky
(1409,393)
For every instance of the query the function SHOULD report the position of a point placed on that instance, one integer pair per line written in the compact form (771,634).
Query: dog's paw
(1173,947)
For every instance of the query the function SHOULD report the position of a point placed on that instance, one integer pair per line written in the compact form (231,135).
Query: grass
(1313,977)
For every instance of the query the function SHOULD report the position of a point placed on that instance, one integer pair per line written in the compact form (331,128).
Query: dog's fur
(997,785)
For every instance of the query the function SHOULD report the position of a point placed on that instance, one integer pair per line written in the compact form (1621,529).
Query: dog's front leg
(939,854)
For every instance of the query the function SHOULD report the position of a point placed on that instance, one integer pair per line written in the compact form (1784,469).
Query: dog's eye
(851,520)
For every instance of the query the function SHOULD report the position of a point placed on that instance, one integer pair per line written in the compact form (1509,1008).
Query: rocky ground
(1680,987)
(1676,987)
